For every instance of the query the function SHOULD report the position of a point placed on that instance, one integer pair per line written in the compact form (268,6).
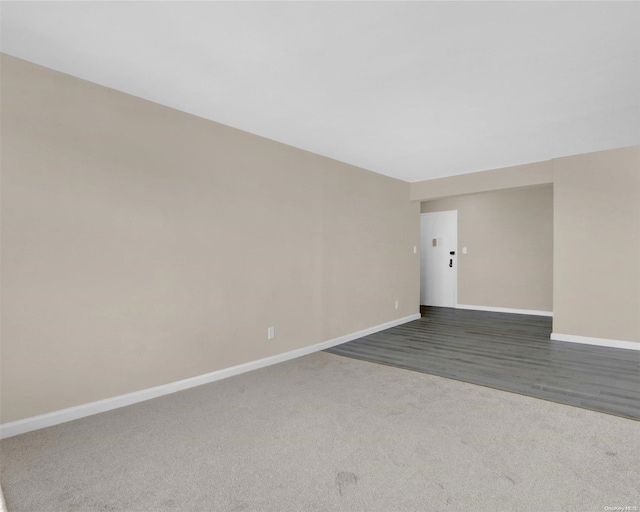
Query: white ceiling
(414,90)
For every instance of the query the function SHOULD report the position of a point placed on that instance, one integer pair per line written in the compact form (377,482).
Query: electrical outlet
(415,249)
(397,304)
(271,333)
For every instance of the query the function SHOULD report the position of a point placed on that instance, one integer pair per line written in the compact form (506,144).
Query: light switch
(464,250)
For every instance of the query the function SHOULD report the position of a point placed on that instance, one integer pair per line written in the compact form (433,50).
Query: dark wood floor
(508,352)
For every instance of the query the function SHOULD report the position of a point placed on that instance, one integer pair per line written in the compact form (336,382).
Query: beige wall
(596,250)
(597,245)
(537,173)
(509,239)
(142,245)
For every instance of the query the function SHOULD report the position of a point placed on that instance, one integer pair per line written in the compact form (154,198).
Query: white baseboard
(603,342)
(15,428)
(506,310)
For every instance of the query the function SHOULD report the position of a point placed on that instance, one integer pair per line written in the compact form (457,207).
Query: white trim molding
(506,310)
(603,342)
(15,428)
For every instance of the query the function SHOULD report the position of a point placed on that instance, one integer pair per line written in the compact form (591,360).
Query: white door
(438,259)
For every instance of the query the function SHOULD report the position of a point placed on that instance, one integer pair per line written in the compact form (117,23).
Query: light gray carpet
(325,433)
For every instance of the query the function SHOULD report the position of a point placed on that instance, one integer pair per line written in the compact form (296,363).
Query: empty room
(320,256)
